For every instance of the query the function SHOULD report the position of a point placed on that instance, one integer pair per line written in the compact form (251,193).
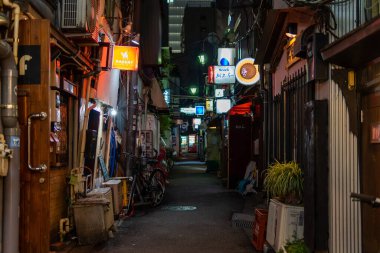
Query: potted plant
(295,246)
(285,182)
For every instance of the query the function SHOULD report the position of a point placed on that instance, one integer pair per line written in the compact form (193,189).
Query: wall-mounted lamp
(292,30)
(113,112)
(351,82)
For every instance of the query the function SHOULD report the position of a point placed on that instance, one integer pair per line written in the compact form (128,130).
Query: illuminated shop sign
(209,105)
(221,74)
(187,110)
(166,94)
(125,58)
(196,121)
(219,93)
(199,110)
(223,105)
(247,73)
(226,56)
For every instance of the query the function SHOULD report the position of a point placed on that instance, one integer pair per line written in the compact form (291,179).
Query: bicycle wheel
(157,187)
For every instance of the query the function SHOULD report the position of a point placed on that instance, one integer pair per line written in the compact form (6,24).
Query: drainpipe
(11,131)
(16,10)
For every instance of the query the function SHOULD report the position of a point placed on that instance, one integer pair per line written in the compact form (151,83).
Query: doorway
(370,174)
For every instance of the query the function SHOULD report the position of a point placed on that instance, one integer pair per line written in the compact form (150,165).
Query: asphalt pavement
(194,217)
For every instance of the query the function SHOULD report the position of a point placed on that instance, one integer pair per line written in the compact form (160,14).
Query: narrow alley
(194,217)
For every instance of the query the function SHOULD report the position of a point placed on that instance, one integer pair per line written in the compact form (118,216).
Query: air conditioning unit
(79,17)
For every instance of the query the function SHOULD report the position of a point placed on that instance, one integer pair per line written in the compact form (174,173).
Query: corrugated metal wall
(345,228)
(345,215)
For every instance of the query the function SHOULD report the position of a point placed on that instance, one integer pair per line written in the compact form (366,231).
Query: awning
(357,48)
(241,109)
(157,98)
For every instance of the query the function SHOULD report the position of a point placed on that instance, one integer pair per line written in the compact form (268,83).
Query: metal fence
(288,117)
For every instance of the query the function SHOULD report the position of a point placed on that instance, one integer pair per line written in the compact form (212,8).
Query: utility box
(284,223)
(90,222)
(117,197)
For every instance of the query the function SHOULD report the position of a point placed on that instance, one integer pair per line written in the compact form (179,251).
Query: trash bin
(105,193)
(90,222)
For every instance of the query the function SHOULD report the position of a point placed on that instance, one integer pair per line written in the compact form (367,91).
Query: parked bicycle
(368,199)
(147,184)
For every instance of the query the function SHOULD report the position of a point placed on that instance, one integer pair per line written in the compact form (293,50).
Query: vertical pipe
(9,120)
(1,213)
(12,199)
(16,9)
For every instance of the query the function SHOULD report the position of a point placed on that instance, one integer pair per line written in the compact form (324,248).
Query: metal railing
(288,117)
(351,14)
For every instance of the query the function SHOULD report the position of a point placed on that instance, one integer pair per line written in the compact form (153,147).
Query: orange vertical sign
(125,58)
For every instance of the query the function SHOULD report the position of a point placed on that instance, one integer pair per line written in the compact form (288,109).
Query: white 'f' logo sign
(23,66)
(124,55)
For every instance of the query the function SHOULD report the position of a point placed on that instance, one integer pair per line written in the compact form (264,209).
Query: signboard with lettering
(125,58)
(375,133)
(221,74)
(29,69)
(224,74)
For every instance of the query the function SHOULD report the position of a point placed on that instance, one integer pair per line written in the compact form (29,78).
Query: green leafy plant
(165,123)
(285,181)
(295,246)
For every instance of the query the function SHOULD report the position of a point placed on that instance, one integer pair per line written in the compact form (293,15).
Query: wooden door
(370,175)
(33,97)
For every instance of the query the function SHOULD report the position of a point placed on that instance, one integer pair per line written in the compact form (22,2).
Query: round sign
(247,72)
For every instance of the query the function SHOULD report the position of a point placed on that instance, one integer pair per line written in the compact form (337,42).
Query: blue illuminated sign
(199,110)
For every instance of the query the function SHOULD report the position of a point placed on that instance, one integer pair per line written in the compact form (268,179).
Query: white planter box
(284,222)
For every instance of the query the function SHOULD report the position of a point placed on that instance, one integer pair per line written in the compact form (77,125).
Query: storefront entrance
(370,173)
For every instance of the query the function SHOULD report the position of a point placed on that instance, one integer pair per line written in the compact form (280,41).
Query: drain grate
(179,208)
(242,220)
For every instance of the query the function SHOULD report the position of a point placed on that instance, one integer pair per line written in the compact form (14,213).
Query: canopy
(241,109)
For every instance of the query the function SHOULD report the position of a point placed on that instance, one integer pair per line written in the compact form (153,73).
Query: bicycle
(368,199)
(148,185)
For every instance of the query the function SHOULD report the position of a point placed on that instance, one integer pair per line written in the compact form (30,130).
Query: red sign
(375,133)
(125,58)
(210,77)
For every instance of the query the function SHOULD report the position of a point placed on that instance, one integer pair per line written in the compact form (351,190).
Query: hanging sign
(247,73)
(199,110)
(125,58)
(221,74)
(226,56)
(210,76)
(209,105)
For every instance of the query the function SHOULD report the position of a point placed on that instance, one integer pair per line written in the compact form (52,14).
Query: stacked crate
(259,228)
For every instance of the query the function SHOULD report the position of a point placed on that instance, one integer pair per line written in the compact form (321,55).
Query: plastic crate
(259,228)
(242,220)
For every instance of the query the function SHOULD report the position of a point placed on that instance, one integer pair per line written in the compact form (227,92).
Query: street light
(202,58)
(193,90)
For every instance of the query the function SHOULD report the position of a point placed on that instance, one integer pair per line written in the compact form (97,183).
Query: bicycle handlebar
(372,200)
